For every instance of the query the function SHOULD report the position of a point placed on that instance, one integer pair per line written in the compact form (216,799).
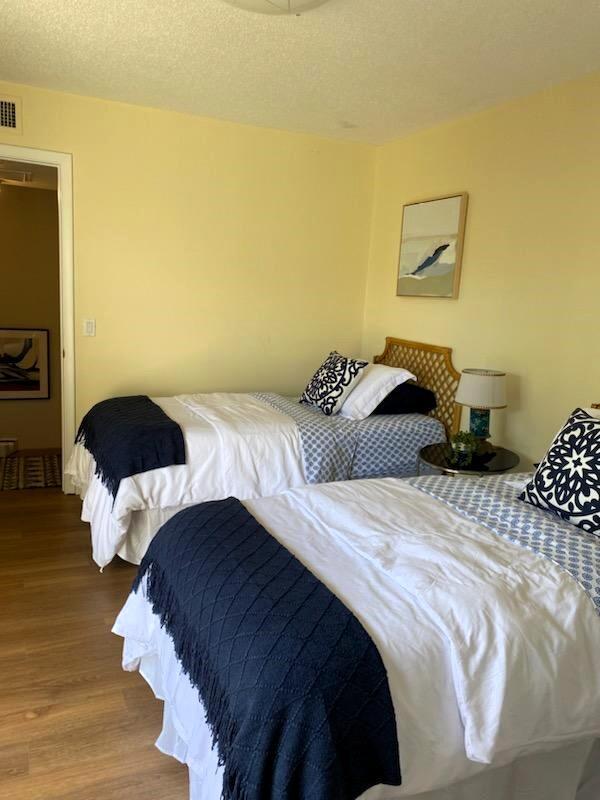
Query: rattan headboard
(433,368)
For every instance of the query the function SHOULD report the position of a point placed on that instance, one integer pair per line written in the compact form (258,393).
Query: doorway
(48,171)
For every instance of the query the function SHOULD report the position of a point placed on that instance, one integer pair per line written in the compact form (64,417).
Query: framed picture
(431,245)
(24,364)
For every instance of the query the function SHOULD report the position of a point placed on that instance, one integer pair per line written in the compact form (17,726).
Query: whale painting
(431,247)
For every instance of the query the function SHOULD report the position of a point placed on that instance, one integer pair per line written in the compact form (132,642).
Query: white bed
(491,651)
(227,436)
(238,446)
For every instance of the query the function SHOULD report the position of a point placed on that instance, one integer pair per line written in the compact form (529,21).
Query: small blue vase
(479,422)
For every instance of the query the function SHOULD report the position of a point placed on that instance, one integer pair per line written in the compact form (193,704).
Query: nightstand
(492,461)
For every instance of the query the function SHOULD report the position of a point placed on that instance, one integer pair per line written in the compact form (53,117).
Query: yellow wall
(29,299)
(530,292)
(212,255)
(221,256)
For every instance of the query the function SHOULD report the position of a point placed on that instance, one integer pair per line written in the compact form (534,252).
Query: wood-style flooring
(73,725)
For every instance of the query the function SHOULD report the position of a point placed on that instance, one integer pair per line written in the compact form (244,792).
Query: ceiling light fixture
(296,7)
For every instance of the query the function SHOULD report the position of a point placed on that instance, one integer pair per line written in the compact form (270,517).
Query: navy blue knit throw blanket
(128,435)
(294,690)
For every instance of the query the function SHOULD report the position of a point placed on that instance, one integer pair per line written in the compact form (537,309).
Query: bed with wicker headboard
(126,524)
(433,368)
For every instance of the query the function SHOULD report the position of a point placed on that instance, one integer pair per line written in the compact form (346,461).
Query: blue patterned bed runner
(338,449)
(494,503)
(294,689)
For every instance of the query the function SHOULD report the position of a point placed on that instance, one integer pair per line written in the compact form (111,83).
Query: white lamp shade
(482,388)
(276,6)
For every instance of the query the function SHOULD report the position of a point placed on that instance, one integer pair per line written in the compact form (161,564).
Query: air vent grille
(10,114)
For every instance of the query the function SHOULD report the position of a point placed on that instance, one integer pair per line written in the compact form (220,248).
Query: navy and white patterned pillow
(567,481)
(333,382)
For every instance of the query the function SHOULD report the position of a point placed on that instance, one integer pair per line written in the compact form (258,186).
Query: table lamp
(481,390)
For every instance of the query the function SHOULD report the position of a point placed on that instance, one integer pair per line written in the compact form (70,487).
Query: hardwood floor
(73,725)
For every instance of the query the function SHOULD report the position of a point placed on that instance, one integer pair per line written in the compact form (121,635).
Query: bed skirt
(567,773)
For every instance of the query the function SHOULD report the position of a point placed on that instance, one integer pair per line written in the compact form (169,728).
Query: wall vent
(10,114)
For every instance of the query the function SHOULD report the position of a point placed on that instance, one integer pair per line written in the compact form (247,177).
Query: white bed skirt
(568,773)
(547,776)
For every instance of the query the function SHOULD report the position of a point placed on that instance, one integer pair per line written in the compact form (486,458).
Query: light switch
(89,327)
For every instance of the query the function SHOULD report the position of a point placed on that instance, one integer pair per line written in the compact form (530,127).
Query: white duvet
(492,652)
(235,446)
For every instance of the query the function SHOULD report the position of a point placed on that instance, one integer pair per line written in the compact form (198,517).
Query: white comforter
(492,652)
(235,446)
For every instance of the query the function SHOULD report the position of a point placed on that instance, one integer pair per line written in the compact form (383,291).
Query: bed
(258,445)
(485,619)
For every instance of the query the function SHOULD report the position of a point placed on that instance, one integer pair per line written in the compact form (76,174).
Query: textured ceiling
(366,70)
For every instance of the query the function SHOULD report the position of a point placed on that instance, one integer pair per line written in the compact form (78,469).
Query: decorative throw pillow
(332,382)
(377,382)
(408,398)
(567,481)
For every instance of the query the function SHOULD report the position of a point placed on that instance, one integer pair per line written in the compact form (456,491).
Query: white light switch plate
(89,327)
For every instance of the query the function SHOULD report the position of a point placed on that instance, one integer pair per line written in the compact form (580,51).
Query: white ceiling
(367,70)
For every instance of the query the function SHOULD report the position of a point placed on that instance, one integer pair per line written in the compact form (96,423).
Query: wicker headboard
(433,368)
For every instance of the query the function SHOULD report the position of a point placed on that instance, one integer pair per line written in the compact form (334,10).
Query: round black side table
(490,461)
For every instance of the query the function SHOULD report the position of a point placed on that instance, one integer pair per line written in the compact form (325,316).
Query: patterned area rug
(30,470)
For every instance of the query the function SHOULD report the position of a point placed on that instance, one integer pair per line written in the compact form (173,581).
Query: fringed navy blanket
(294,690)
(128,435)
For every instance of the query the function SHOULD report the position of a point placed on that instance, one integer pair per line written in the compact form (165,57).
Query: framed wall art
(431,245)
(24,363)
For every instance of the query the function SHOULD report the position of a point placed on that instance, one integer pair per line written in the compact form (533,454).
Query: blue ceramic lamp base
(479,422)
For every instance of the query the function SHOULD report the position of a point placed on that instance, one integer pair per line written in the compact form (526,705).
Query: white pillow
(376,383)
(593,412)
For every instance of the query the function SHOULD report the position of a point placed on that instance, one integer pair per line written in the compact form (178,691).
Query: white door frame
(63,163)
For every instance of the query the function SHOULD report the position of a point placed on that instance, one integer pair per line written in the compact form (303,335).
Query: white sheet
(235,446)
(491,652)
